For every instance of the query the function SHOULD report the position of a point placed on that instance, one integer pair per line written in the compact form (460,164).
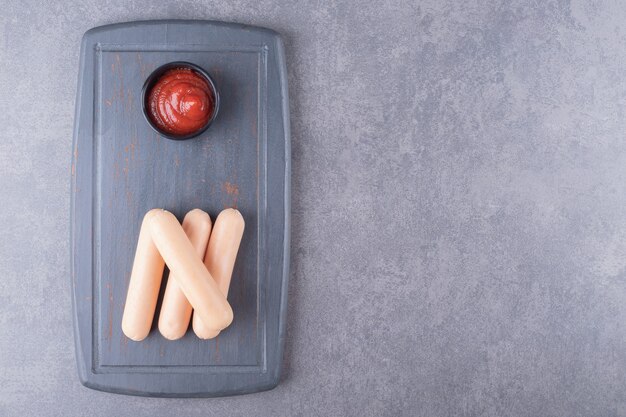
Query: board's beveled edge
(84,372)
(107,382)
(282,325)
(113,27)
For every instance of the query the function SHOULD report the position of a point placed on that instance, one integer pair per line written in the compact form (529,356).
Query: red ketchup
(181,102)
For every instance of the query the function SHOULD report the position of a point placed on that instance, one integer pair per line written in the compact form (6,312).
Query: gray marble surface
(459,208)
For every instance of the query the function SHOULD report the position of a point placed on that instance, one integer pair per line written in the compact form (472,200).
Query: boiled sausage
(145,281)
(176,310)
(220,260)
(187,267)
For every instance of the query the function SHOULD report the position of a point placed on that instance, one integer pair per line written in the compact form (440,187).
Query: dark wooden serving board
(121,169)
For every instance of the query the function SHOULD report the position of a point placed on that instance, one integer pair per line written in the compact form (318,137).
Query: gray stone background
(459,208)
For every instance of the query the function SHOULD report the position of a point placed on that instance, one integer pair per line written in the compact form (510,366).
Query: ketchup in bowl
(180,100)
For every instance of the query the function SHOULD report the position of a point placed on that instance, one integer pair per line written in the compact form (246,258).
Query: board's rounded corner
(273,382)
(268,384)
(86,379)
(278,38)
(269,380)
(90,35)
(272,33)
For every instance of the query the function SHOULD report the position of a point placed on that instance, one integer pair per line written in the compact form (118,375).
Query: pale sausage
(175,309)
(191,274)
(145,281)
(220,260)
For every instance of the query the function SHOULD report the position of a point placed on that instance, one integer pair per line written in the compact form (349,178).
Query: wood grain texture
(122,169)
